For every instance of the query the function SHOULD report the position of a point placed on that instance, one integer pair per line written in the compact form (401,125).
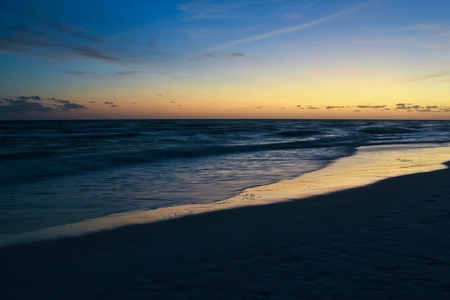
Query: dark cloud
(59,100)
(18,106)
(111,104)
(332,107)
(46,37)
(206,55)
(96,54)
(86,74)
(130,73)
(401,106)
(27,104)
(372,106)
(420,108)
(26,98)
(312,107)
(69,106)
(216,55)
(77,29)
(179,77)
(92,75)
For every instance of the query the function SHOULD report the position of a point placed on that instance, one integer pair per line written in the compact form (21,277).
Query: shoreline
(388,239)
(368,165)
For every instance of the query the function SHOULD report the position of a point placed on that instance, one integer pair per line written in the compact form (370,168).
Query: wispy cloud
(200,33)
(209,10)
(269,34)
(436,75)
(429,35)
(117,74)
(433,45)
(423,27)
(87,74)
(90,52)
(293,16)
(130,73)
(380,41)
(293,9)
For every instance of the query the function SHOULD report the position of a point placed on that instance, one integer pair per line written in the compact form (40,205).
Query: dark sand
(389,240)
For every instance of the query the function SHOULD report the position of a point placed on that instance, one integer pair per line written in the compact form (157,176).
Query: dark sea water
(59,172)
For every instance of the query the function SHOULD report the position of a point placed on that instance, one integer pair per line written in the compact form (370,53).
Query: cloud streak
(208,10)
(421,27)
(269,34)
(372,106)
(86,74)
(444,74)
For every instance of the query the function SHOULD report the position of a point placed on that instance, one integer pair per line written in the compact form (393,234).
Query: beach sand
(387,240)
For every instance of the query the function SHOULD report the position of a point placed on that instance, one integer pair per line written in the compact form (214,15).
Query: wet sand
(387,240)
(368,165)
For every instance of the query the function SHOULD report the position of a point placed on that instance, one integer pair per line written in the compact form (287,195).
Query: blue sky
(246,59)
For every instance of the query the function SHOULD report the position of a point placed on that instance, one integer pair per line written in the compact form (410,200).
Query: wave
(107,135)
(299,133)
(38,166)
(387,130)
(25,155)
(35,151)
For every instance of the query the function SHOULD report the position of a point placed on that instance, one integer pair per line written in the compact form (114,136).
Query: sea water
(60,172)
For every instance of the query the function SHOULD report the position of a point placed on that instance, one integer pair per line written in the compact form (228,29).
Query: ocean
(60,172)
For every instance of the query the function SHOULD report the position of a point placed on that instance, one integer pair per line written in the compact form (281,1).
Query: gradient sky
(225,59)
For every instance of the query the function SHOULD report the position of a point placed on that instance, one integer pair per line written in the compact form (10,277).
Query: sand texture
(388,240)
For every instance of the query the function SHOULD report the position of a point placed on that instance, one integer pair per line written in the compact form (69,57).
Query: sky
(305,59)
